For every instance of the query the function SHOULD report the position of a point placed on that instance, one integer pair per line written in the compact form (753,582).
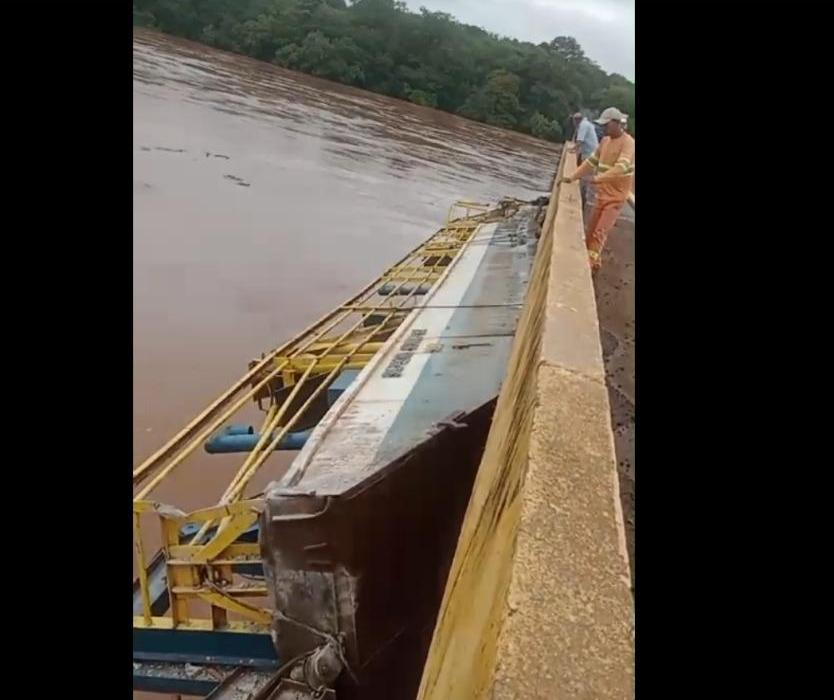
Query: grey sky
(604,28)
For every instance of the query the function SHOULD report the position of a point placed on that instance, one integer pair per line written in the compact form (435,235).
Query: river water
(262,199)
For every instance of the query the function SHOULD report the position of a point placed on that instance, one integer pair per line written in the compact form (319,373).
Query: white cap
(612,114)
(579,115)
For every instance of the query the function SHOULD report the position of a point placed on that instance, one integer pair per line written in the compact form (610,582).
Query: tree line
(428,58)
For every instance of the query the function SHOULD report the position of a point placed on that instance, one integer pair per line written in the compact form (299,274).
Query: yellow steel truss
(303,368)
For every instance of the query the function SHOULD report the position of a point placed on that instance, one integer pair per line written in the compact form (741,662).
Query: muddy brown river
(263,198)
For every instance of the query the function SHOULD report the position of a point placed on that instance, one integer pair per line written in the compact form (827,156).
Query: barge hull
(358,537)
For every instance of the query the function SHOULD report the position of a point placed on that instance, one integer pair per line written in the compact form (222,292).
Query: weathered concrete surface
(569,632)
(538,604)
(615,307)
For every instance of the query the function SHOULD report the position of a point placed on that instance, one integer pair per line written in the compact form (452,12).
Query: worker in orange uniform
(613,167)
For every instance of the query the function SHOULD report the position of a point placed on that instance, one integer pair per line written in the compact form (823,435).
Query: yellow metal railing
(299,372)
(203,572)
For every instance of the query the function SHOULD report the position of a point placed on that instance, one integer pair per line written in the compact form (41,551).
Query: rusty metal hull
(371,565)
(357,539)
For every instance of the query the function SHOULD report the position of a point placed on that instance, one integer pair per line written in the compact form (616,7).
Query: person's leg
(590,227)
(601,222)
(591,223)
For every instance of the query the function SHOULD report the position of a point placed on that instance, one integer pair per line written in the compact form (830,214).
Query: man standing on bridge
(586,144)
(613,166)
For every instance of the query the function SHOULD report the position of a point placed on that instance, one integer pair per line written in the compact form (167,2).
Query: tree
(616,96)
(421,97)
(568,48)
(496,102)
(544,128)
(318,55)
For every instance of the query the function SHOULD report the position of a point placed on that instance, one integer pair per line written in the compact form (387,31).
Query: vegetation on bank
(428,58)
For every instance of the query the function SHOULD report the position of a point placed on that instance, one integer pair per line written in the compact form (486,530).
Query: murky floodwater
(263,198)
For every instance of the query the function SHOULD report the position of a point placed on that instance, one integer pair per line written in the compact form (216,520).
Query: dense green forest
(428,58)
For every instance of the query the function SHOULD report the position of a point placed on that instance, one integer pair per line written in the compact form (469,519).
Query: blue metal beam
(204,647)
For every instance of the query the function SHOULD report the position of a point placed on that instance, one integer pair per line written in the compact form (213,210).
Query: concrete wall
(538,602)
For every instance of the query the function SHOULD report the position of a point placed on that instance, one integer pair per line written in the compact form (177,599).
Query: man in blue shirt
(586,143)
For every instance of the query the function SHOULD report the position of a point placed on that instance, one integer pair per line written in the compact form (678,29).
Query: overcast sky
(604,28)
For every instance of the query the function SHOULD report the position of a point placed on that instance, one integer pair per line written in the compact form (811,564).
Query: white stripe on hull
(341,449)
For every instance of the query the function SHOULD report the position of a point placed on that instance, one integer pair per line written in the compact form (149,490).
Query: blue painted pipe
(226,442)
(389,287)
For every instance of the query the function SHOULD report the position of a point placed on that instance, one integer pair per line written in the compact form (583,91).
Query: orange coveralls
(613,163)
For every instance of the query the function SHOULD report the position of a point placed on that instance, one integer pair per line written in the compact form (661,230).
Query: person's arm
(585,168)
(623,166)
